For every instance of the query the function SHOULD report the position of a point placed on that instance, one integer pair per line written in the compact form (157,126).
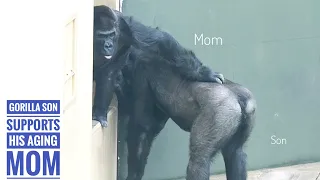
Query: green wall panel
(270,46)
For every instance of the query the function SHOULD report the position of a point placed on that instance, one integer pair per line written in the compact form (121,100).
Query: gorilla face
(106,34)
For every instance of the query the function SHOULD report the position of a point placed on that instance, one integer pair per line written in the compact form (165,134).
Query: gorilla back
(218,117)
(114,34)
(155,41)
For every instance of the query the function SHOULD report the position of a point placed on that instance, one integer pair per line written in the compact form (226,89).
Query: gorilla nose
(107,45)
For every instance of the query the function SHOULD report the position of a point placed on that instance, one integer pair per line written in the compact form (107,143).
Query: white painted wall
(39,46)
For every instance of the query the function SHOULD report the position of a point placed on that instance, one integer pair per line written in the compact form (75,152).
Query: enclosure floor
(309,171)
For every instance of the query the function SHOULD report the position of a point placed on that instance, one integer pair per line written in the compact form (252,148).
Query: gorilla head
(106,34)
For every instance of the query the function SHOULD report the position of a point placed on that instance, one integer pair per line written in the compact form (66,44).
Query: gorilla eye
(112,34)
(101,36)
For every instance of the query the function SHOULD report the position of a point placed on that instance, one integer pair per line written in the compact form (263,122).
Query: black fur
(110,50)
(112,30)
(219,117)
(158,85)
(155,41)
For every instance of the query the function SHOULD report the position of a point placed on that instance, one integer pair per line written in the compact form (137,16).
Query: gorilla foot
(102,119)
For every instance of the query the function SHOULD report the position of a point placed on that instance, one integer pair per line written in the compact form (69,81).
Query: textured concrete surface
(309,171)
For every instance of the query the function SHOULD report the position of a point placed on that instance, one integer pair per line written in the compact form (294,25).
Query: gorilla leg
(234,156)
(212,129)
(145,124)
(139,141)
(233,153)
(235,162)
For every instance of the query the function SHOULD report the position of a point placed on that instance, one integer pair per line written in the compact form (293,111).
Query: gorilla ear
(123,26)
(125,31)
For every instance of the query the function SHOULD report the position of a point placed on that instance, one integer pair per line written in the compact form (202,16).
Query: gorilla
(108,41)
(158,86)
(109,57)
(218,117)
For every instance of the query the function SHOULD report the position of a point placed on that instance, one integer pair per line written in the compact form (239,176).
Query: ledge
(104,146)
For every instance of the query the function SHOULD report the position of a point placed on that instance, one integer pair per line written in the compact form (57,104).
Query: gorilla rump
(218,117)
(108,39)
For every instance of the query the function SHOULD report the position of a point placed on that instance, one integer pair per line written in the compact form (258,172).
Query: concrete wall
(271,47)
